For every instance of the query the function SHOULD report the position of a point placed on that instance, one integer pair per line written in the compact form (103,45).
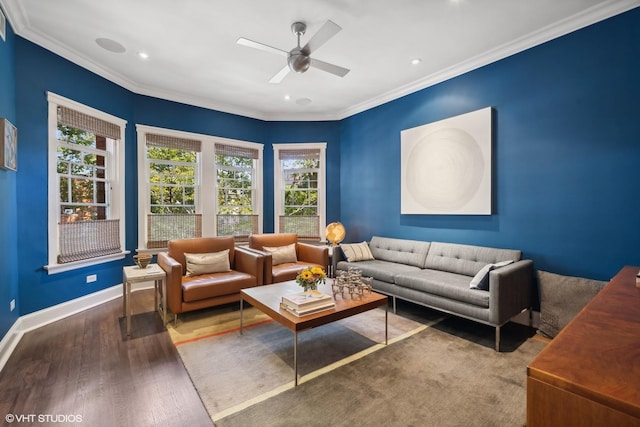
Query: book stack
(304,303)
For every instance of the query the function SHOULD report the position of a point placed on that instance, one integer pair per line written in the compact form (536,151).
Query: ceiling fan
(299,58)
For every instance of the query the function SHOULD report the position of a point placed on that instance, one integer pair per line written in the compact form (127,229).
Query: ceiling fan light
(299,62)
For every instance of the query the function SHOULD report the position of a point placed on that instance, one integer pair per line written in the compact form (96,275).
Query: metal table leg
(124,295)
(241,313)
(386,324)
(164,301)
(295,358)
(127,294)
(156,289)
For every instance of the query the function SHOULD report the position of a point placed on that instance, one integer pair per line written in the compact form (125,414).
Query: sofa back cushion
(409,252)
(466,259)
(272,240)
(201,245)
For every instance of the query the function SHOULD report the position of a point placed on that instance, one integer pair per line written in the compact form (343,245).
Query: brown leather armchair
(306,255)
(192,292)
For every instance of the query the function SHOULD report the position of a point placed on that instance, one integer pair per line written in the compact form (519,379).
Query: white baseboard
(9,342)
(57,312)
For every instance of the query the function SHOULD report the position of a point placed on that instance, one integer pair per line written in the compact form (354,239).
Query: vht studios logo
(43,418)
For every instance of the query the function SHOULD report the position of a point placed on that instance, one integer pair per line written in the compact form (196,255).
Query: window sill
(68,266)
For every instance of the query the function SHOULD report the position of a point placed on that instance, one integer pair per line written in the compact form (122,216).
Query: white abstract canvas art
(446,166)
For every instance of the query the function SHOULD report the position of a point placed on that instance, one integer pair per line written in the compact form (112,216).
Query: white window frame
(278,182)
(206,200)
(116,172)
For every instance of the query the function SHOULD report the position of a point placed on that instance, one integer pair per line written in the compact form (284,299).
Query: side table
(134,274)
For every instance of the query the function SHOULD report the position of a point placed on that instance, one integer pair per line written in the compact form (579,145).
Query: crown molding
(20,24)
(581,20)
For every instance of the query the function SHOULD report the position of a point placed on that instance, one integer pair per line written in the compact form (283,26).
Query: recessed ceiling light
(416,61)
(287,97)
(110,45)
(143,55)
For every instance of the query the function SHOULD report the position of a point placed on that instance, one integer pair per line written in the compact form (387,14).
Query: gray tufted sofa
(438,275)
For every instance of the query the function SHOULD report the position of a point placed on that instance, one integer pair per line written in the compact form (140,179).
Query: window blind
(238,226)
(165,141)
(88,239)
(164,227)
(299,154)
(307,226)
(78,120)
(235,151)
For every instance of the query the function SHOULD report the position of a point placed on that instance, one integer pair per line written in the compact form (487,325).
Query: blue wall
(566,154)
(39,71)
(8,214)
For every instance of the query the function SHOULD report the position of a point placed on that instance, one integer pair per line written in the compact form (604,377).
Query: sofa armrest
(317,254)
(511,290)
(267,275)
(173,269)
(250,261)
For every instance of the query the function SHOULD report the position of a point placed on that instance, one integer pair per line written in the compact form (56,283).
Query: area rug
(436,371)
(232,372)
(432,378)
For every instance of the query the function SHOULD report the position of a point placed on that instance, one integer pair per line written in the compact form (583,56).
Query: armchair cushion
(282,254)
(197,288)
(215,262)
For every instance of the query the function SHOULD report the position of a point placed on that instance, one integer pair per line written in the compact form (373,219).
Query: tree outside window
(81,161)
(299,196)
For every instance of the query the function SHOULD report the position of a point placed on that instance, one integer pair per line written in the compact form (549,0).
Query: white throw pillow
(357,251)
(215,262)
(282,254)
(481,279)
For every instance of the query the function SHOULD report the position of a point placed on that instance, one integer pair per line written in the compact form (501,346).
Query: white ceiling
(194,58)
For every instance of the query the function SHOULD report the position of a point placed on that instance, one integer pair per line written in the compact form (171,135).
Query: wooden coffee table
(267,299)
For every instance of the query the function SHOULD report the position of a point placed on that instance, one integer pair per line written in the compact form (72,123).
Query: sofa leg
(531,317)
(394,304)
(498,338)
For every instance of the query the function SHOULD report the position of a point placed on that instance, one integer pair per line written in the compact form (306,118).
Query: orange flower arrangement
(310,277)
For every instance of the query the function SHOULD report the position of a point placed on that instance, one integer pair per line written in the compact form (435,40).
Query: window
(236,186)
(172,165)
(186,177)
(299,196)
(85,185)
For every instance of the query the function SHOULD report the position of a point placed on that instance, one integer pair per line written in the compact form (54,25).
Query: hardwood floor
(83,366)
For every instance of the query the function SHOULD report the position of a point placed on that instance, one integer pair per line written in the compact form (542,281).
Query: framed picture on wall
(8,145)
(446,166)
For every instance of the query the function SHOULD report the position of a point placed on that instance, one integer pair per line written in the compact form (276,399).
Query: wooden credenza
(589,374)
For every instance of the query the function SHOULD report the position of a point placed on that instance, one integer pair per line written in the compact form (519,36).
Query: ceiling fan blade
(329,68)
(328,30)
(280,76)
(261,46)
